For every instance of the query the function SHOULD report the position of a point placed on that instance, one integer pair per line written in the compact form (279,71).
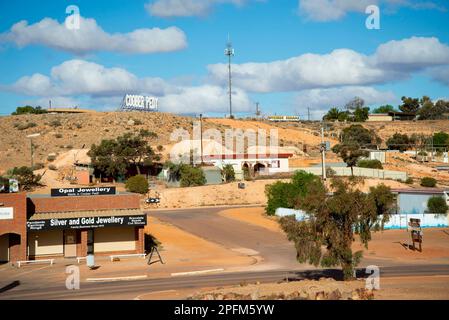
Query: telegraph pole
(201,129)
(323,154)
(229,51)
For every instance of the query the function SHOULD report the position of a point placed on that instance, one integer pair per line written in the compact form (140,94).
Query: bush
(437,205)
(55,123)
(191,176)
(58,136)
(428,182)
(51,158)
(137,184)
(246,174)
(27,179)
(52,167)
(25,126)
(229,173)
(409,180)
(372,164)
(286,194)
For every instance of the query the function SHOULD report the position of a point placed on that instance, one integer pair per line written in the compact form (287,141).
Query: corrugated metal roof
(85,214)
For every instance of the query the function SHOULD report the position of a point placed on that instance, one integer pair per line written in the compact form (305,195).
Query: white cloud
(413,53)
(440,74)
(207,97)
(332,10)
(343,67)
(107,86)
(92,38)
(186,8)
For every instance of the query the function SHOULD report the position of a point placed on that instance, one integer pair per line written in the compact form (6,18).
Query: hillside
(61,133)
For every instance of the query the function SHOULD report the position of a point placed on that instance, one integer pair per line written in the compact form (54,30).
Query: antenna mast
(229,51)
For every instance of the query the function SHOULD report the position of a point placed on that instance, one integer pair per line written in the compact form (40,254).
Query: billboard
(284,118)
(139,103)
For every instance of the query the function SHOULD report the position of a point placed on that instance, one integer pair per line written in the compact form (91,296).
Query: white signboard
(136,102)
(6,213)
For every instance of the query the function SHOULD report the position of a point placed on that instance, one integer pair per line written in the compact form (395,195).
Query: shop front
(72,222)
(78,233)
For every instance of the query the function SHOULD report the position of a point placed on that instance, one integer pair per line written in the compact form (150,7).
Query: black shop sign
(87,223)
(79,192)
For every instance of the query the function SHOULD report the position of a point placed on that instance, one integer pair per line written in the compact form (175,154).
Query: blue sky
(290,55)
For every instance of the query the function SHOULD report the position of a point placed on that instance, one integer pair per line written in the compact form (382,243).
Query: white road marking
(195,272)
(116,279)
(154,292)
(26,272)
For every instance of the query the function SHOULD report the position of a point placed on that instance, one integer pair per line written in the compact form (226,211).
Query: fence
(360,172)
(397,221)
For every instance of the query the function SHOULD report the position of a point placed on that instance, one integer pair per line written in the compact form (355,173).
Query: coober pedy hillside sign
(79,192)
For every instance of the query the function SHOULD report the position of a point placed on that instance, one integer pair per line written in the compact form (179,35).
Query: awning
(85,214)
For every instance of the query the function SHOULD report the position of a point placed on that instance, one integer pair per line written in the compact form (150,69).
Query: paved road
(277,252)
(133,289)
(278,262)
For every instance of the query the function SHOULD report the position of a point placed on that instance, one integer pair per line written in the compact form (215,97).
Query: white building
(256,163)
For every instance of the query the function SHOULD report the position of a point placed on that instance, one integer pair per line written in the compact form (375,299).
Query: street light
(31,136)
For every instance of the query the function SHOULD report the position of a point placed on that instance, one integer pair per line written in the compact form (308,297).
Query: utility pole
(31,136)
(257,109)
(323,154)
(201,130)
(308,114)
(229,51)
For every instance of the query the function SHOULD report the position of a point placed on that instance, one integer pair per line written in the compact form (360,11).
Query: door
(4,248)
(69,243)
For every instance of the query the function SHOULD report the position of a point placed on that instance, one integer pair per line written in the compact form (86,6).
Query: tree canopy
(325,237)
(114,157)
(29,110)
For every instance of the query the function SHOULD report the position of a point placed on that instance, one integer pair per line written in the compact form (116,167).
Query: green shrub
(137,184)
(287,194)
(428,182)
(28,110)
(58,136)
(25,126)
(372,164)
(52,167)
(246,174)
(229,173)
(409,180)
(192,176)
(437,205)
(27,179)
(51,158)
(55,123)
